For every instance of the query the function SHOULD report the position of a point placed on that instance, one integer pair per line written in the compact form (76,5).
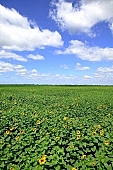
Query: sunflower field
(56,127)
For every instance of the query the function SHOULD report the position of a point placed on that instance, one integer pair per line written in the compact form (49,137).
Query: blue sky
(56,42)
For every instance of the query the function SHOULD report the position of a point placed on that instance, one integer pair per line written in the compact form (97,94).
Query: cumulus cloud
(18,33)
(64,67)
(6,55)
(8,67)
(105,69)
(104,74)
(83,16)
(26,74)
(87,77)
(85,52)
(79,67)
(36,57)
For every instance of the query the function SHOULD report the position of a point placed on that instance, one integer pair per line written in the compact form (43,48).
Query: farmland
(56,127)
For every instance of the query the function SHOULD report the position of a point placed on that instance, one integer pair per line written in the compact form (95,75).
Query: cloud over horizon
(19,33)
(83,17)
(56,42)
(85,52)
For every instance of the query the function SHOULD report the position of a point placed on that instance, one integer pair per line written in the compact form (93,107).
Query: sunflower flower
(83,156)
(93,163)
(78,132)
(93,134)
(65,126)
(106,142)
(22,113)
(34,129)
(64,118)
(22,131)
(35,115)
(99,126)
(11,128)
(58,138)
(74,169)
(7,132)
(72,146)
(42,160)
(38,122)
(17,138)
(78,137)
(102,132)
(11,168)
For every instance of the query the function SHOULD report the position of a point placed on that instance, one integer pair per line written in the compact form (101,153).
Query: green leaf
(93,149)
(57,167)
(106,165)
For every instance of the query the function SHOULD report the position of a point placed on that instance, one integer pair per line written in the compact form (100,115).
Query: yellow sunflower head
(102,132)
(22,131)
(78,132)
(106,142)
(94,163)
(78,137)
(42,161)
(17,138)
(72,146)
(34,129)
(22,113)
(65,126)
(93,133)
(11,128)
(58,138)
(64,118)
(38,122)
(74,169)
(83,156)
(11,168)
(99,126)
(7,132)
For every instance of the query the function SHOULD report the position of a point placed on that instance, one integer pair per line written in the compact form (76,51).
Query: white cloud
(87,77)
(104,74)
(7,55)
(79,67)
(18,33)
(8,67)
(105,69)
(85,52)
(21,72)
(64,67)
(33,71)
(5,67)
(25,74)
(82,17)
(19,66)
(36,57)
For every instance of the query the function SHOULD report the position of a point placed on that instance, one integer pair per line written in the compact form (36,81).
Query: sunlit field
(56,127)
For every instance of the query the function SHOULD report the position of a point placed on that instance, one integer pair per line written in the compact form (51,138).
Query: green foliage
(56,127)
